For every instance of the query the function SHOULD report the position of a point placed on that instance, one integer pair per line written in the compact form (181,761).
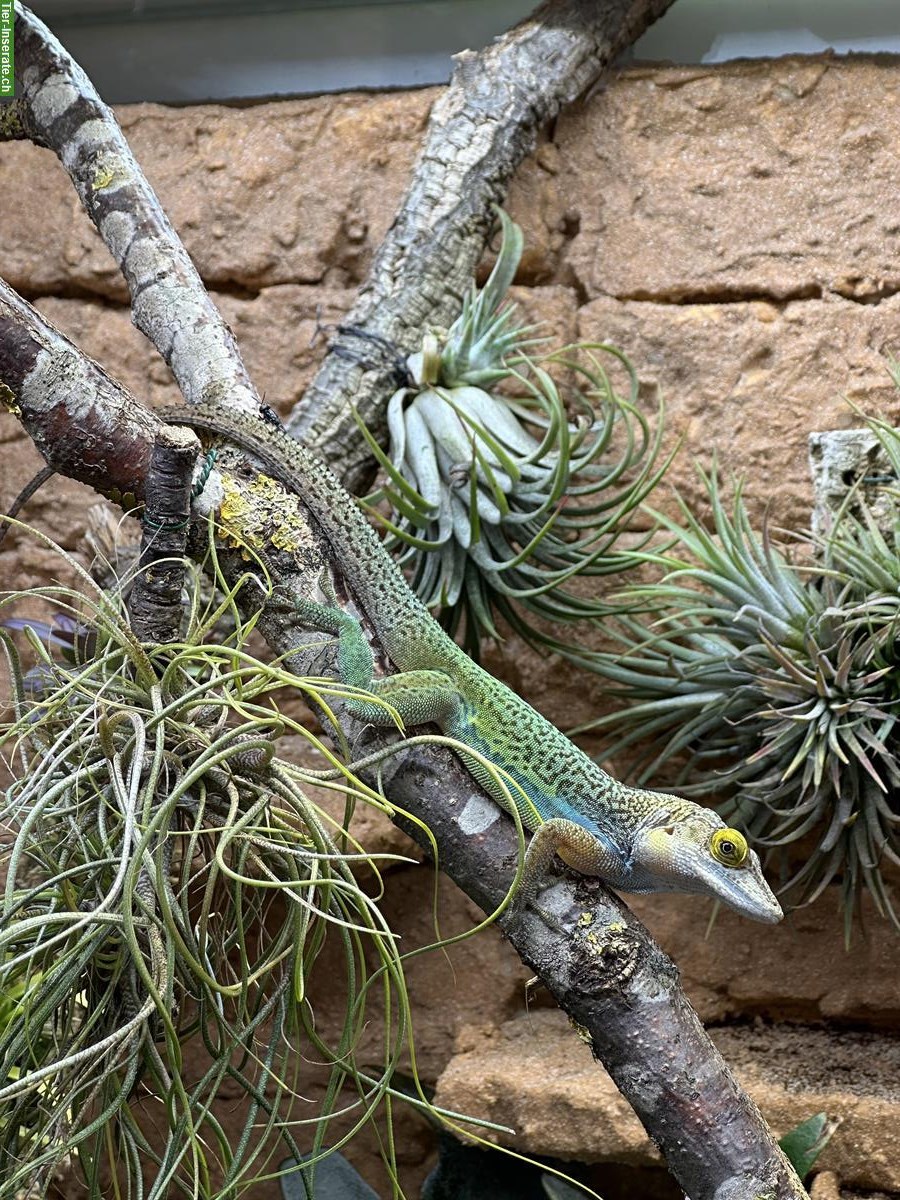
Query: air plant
(498,498)
(168,877)
(774,683)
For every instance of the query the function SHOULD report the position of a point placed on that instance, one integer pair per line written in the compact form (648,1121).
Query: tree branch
(480,130)
(598,961)
(616,985)
(155,602)
(59,108)
(84,423)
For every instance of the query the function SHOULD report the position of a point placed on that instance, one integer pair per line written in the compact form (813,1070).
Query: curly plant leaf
(498,499)
(168,877)
(63,632)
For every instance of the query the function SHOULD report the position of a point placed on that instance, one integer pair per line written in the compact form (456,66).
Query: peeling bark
(480,129)
(59,108)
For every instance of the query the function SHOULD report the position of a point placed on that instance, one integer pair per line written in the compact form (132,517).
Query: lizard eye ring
(729,847)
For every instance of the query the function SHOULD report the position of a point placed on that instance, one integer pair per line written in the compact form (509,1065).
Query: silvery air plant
(498,498)
(773,687)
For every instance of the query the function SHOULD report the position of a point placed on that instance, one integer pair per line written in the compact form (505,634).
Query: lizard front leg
(418,697)
(587,851)
(423,697)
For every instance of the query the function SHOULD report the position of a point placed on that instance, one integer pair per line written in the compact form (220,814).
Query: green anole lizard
(634,840)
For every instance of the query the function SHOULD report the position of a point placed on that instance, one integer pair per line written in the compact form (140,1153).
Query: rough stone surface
(298,191)
(734,182)
(734,230)
(749,381)
(825,1186)
(798,970)
(534,1075)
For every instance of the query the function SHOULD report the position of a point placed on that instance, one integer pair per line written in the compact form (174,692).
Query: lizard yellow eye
(729,847)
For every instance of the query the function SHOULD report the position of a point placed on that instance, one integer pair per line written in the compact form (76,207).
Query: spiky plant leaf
(805,1142)
(775,685)
(481,339)
(499,499)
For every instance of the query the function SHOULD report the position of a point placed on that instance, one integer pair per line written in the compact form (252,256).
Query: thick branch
(58,107)
(609,976)
(85,424)
(479,131)
(600,963)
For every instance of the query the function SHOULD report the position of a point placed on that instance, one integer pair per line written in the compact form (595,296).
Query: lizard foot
(520,905)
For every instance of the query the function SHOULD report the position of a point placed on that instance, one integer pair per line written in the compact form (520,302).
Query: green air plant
(170,877)
(805,1142)
(499,498)
(773,684)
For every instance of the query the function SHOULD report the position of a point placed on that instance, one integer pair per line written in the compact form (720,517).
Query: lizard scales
(634,839)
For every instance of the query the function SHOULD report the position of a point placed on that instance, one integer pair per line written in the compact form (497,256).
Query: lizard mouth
(746,891)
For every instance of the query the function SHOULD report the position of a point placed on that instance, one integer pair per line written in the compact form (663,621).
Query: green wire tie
(168,526)
(205,471)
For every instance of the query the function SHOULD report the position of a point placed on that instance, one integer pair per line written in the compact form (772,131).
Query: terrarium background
(735,231)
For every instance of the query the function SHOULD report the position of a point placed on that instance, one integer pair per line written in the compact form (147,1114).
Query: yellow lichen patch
(582,1030)
(234,506)
(273,516)
(127,501)
(8,398)
(10,123)
(105,177)
(600,942)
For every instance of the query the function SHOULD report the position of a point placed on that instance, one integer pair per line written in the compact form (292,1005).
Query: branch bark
(480,130)
(155,602)
(609,976)
(59,108)
(84,423)
(599,962)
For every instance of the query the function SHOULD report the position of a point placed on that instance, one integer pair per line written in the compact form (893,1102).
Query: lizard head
(686,848)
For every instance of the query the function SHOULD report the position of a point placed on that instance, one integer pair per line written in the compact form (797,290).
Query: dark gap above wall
(189,51)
